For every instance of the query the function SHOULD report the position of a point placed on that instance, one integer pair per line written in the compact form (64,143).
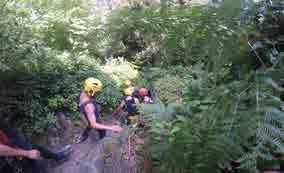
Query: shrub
(240,123)
(176,36)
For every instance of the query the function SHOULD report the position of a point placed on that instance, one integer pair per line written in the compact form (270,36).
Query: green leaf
(175,129)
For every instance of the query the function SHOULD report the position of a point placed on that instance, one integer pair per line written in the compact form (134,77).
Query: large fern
(242,123)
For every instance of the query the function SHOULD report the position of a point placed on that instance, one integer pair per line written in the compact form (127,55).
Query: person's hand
(33,154)
(116,128)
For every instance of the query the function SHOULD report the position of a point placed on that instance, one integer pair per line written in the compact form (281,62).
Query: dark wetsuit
(102,133)
(15,139)
(131,108)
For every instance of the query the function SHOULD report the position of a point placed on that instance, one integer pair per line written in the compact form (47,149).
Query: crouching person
(14,144)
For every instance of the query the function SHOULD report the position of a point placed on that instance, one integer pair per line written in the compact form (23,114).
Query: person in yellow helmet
(129,103)
(128,91)
(128,83)
(89,108)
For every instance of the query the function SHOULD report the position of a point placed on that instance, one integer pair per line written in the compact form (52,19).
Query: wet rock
(113,154)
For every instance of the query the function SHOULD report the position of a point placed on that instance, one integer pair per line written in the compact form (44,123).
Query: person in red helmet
(145,96)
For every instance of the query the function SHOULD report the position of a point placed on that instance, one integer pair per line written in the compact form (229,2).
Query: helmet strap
(91,93)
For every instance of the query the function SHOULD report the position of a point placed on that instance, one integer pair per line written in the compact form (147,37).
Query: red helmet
(143,92)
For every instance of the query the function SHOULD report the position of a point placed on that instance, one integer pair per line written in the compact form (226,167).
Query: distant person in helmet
(129,84)
(89,108)
(145,96)
(129,104)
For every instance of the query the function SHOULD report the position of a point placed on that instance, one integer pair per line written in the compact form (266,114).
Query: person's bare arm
(90,110)
(119,108)
(5,150)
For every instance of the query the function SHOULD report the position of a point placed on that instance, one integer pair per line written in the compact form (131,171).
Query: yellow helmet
(92,86)
(128,83)
(129,91)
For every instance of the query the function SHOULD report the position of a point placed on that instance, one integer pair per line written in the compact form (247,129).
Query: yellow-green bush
(120,70)
(170,83)
(170,86)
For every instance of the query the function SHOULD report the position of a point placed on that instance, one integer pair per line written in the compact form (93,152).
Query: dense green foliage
(223,119)
(238,121)
(180,36)
(44,60)
(214,108)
